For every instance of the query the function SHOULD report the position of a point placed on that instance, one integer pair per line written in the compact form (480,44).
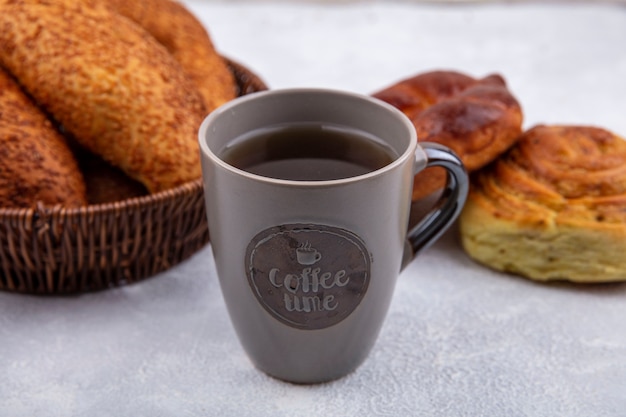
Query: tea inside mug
(308,152)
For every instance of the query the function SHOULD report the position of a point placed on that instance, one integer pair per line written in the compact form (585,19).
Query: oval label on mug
(308,276)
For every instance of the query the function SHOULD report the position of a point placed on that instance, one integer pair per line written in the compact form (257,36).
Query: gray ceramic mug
(308,268)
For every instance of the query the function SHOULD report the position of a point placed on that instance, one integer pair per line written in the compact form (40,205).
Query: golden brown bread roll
(36,164)
(479,119)
(553,207)
(109,83)
(187,40)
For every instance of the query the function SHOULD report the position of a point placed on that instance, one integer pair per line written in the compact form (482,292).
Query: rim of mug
(409,152)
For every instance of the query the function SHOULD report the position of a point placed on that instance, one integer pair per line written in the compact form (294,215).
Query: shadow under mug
(308,268)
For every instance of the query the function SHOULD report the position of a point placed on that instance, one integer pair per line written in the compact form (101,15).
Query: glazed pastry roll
(479,119)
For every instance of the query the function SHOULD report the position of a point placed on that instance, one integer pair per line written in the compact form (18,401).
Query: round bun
(553,207)
(118,92)
(479,119)
(187,40)
(36,165)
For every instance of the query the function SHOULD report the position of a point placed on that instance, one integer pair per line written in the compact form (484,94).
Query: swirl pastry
(109,83)
(553,207)
(36,165)
(187,40)
(479,119)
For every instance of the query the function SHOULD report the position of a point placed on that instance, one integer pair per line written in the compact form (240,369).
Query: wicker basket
(53,250)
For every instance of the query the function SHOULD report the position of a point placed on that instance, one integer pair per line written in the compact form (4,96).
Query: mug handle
(448,206)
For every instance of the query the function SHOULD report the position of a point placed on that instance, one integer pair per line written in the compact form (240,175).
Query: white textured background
(460,340)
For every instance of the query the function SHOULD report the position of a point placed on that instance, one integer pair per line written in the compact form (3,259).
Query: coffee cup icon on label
(307,255)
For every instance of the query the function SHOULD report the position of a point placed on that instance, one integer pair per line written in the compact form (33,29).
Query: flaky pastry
(553,207)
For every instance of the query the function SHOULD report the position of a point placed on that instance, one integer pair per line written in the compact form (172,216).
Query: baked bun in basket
(479,119)
(36,163)
(118,96)
(187,40)
(56,250)
(109,83)
(553,207)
